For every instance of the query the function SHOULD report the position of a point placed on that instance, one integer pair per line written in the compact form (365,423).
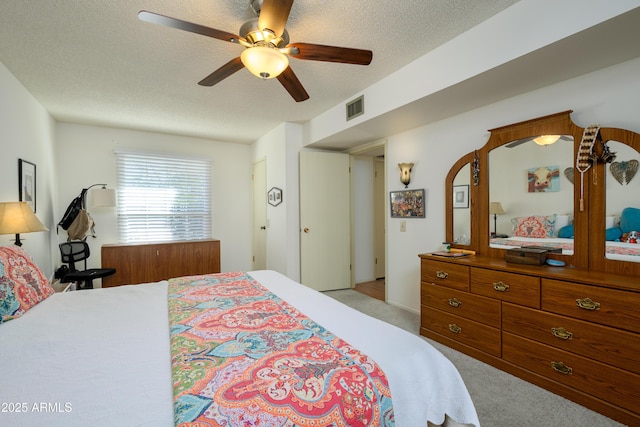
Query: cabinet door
(133,264)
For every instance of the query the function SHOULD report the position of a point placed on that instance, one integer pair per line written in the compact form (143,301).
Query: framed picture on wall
(27,183)
(461,196)
(407,204)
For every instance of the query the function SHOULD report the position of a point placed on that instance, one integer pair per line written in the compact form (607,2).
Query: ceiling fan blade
(167,21)
(317,52)
(274,15)
(290,81)
(222,73)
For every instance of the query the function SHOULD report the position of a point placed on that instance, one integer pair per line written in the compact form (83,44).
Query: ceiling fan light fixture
(264,62)
(546,139)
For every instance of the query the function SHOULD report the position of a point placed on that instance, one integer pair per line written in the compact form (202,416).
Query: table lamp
(495,208)
(16,218)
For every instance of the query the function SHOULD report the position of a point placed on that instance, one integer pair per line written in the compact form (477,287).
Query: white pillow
(610,222)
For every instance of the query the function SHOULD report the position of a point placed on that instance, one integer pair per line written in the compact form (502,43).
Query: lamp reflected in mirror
(17,218)
(496,209)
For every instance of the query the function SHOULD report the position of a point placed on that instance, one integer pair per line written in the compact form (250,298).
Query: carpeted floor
(501,399)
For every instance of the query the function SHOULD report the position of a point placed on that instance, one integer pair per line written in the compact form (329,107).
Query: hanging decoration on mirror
(405,173)
(475,169)
(569,172)
(586,157)
(624,171)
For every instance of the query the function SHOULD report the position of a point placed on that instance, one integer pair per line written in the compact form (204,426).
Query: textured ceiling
(94,62)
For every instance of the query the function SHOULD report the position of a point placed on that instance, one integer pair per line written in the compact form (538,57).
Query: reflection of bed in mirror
(620,251)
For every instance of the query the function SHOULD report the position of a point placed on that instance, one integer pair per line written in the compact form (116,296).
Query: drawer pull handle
(442,274)
(455,328)
(501,287)
(453,302)
(561,333)
(588,304)
(562,368)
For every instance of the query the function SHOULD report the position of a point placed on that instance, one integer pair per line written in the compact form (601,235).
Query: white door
(259,261)
(325,220)
(379,198)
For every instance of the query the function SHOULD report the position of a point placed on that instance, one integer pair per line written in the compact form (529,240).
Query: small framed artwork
(27,183)
(407,204)
(461,197)
(274,196)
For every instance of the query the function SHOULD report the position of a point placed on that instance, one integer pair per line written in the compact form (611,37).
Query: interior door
(259,261)
(325,220)
(379,198)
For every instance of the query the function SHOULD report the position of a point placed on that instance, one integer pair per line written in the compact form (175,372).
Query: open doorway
(369,220)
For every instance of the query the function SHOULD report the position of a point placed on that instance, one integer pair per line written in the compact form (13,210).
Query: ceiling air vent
(355,108)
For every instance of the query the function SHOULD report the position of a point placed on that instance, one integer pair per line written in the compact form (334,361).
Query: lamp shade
(264,62)
(17,217)
(496,208)
(103,197)
(546,139)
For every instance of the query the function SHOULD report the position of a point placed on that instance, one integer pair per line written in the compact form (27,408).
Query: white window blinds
(163,198)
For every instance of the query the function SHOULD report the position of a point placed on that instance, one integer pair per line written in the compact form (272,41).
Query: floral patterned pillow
(534,226)
(22,283)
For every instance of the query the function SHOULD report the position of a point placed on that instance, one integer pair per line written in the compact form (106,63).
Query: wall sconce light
(405,173)
(16,218)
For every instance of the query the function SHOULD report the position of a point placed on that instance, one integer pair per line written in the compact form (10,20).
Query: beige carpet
(501,399)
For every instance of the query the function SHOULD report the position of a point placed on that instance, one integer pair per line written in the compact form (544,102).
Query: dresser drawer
(511,287)
(445,274)
(611,307)
(601,380)
(474,334)
(611,346)
(475,307)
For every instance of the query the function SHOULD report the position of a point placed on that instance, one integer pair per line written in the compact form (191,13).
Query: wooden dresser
(143,263)
(573,332)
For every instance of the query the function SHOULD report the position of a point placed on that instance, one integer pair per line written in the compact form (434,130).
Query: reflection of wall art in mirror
(569,173)
(543,179)
(461,197)
(624,172)
(407,204)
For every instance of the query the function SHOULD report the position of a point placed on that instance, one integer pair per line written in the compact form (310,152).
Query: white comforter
(101,358)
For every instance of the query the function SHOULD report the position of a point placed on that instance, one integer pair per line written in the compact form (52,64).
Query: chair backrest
(74,251)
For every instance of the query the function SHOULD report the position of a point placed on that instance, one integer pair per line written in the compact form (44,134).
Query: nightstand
(58,286)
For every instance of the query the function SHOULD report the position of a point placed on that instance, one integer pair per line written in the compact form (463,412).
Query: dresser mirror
(622,220)
(462,206)
(531,178)
(578,215)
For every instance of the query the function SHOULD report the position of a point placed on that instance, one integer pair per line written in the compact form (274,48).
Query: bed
(103,357)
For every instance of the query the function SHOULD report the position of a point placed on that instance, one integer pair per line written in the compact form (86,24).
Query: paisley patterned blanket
(241,356)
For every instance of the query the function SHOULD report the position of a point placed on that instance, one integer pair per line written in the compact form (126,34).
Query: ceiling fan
(267,46)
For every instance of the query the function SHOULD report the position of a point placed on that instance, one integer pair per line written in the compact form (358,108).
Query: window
(163,198)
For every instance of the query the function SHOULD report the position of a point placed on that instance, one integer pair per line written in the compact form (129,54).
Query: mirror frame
(589,249)
(598,209)
(555,124)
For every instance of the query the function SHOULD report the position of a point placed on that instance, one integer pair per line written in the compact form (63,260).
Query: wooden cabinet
(571,331)
(143,263)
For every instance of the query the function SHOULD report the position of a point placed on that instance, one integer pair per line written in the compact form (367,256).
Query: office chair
(73,252)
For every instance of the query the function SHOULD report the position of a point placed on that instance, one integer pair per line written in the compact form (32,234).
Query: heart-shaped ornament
(568,172)
(624,172)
